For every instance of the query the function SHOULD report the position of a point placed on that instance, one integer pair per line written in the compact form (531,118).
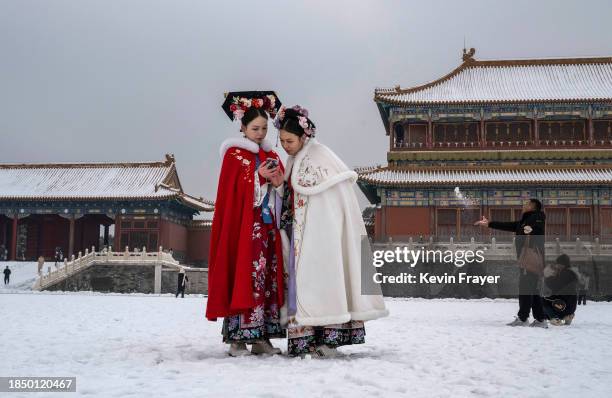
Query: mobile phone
(272,163)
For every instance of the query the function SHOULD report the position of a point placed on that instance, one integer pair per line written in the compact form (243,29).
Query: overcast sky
(132,80)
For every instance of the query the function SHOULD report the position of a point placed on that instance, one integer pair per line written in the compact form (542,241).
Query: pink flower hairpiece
(241,104)
(303,121)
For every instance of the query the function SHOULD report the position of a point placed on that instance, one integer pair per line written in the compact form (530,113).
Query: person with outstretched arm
(529,232)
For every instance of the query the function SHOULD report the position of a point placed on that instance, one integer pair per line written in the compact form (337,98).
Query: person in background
(583,288)
(562,280)
(531,224)
(7,275)
(41,263)
(59,256)
(182,282)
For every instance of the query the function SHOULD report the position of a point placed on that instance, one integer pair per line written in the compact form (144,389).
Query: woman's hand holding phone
(271,172)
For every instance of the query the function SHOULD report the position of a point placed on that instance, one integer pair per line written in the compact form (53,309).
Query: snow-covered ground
(23,275)
(158,346)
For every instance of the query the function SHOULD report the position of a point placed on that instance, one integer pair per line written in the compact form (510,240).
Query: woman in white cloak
(324,239)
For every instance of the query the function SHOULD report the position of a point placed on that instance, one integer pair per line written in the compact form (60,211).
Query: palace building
(74,206)
(487,136)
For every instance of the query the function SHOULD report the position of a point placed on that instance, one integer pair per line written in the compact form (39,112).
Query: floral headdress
(237,103)
(300,115)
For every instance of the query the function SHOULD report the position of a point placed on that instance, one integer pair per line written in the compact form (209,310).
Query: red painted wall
(86,235)
(198,245)
(402,221)
(378,232)
(3,238)
(44,234)
(173,236)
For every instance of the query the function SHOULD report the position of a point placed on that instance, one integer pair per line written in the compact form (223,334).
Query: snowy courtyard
(159,346)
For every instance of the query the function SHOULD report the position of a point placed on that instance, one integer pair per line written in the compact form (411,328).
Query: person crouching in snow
(322,229)
(562,281)
(245,272)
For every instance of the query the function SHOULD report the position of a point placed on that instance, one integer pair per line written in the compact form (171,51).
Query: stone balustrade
(82,261)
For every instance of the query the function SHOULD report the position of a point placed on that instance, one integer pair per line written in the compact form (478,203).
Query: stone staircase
(92,258)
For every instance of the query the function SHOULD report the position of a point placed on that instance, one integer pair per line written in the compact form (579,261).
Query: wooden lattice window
(504,215)
(468,230)
(417,135)
(602,132)
(556,223)
(562,132)
(455,135)
(606,224)
(509,133)
(458,223)
(580,223)
(139,233)
(446,223)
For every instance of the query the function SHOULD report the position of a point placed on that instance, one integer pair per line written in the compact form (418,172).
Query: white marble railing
(90,258)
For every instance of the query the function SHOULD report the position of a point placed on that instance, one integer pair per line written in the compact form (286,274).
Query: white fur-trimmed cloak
(327,230)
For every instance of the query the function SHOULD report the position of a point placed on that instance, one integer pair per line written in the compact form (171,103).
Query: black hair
(563,260)
(291,124)
(251,114)
(537,203)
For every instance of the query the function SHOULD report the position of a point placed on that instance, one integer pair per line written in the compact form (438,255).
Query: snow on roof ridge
(466,84)
(459,175)
(153,163)
(80,165)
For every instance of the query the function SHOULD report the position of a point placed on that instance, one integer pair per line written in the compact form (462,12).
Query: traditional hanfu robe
(323,232)
(245,273)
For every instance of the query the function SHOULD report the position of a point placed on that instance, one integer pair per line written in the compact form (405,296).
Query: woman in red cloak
(245,272)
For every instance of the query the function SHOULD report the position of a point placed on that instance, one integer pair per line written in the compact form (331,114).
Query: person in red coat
(246,273)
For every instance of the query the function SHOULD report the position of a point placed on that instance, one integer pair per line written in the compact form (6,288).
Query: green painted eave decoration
(500,155)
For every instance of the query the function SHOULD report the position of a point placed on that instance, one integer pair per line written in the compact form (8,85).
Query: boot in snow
(238,350)
(264,347)
(539,324)
(517,322)
(325,351)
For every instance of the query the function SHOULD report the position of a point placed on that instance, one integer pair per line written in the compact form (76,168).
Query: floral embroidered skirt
(263,320)
(305,339)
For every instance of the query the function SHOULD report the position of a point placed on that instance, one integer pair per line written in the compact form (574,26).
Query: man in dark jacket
(7,275)
(530,228)
(182,281)
(562,281)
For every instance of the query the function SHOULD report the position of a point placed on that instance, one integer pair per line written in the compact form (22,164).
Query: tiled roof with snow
(540,175)
(504,81)
(94,181)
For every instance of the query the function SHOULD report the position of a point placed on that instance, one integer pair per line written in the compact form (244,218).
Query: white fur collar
(297,158)
(292,160)
(243,143)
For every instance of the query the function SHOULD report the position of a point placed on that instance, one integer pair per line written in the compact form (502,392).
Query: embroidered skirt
(263,320)
(305,339)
